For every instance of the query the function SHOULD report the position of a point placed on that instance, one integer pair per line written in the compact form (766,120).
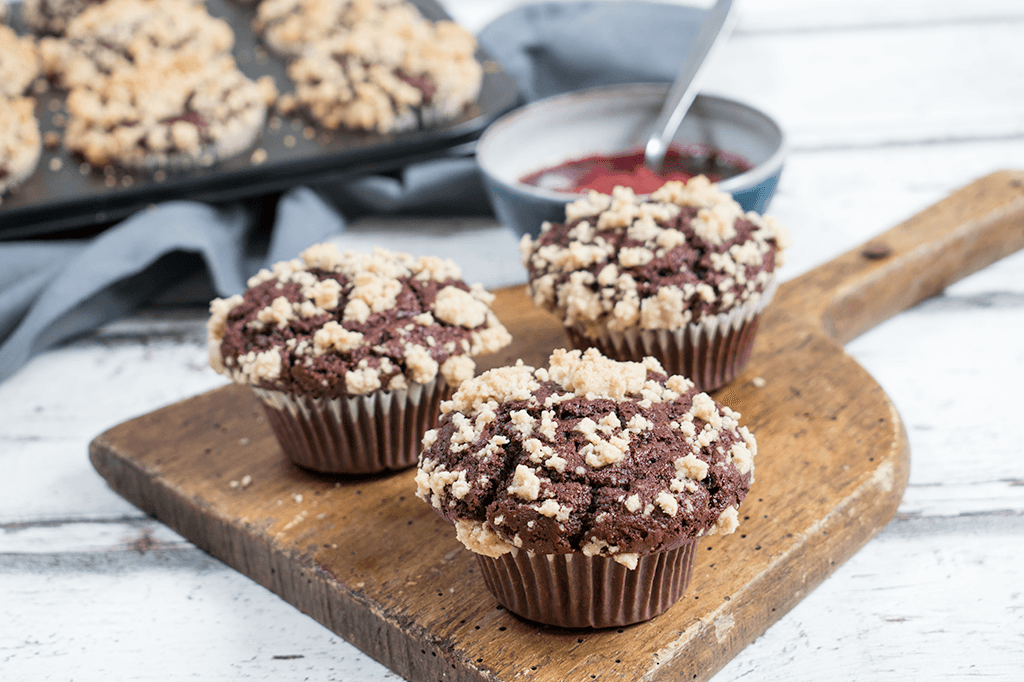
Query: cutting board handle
(965,232)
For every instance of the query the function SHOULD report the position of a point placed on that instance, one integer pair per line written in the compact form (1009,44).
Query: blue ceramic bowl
(614,120)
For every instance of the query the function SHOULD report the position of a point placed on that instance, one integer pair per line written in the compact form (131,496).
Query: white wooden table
(889,106)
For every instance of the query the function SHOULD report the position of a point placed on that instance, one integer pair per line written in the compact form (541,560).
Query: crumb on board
(759,382)
(299,518)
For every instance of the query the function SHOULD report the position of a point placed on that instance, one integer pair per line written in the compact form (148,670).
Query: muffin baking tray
(64,194)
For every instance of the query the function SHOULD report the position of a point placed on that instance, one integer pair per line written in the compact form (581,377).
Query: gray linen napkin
(52,291)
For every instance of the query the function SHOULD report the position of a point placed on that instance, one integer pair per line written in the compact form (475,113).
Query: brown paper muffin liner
(577,591)
(363,434)
(710,352)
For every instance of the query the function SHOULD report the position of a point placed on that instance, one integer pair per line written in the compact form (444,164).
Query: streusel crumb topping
(388,70)
(334,323)
(290,26)
(119,34)
(19,63)
(152,83)
(621,262)
(588,455)
(20,141)
(180,110)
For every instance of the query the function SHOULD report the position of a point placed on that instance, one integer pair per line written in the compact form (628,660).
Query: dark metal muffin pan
(65,194)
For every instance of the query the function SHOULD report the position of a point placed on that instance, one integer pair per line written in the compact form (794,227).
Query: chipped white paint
(889,107)
(669,652)
(723,626)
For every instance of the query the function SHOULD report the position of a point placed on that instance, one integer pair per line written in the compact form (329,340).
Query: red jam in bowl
(602,173)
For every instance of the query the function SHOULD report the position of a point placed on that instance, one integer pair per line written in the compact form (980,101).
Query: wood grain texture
(374,564)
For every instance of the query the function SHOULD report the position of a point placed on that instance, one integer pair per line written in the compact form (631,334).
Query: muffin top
(380,65)
(623,262)
(180,110)
(590,456)
(333,323)
(127,34)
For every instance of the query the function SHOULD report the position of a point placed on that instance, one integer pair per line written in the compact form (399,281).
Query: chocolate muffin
(583,487)
(352,353)
(682,275)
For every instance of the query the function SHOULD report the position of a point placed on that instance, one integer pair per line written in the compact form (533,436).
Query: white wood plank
(880,87)
(836,200)
(102,382)
(813,15)
(919,602)
(797,15)
(141,535)
(961,499)
(162,615)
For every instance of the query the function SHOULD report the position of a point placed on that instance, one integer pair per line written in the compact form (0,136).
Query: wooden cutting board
(374,564)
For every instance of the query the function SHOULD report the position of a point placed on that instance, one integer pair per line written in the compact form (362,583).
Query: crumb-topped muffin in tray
(118,34)
(682,275)
(352,353)
(176,111)
(290,27)
(583,486)
(374,65)
(152,84)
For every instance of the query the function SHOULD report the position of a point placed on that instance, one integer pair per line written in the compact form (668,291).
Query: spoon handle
(716,27)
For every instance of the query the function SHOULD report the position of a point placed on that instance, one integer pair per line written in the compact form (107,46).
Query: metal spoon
(717,25)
